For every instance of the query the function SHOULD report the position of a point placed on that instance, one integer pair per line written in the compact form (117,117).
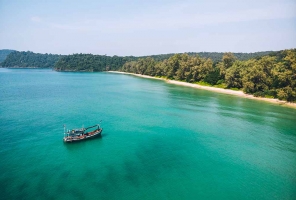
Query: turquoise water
(160,141)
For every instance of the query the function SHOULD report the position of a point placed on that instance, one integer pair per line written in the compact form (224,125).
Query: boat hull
(87,136)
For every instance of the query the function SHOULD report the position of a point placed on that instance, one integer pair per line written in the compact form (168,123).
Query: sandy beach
(214,89)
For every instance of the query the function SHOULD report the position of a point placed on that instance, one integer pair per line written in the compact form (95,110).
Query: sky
(138,28)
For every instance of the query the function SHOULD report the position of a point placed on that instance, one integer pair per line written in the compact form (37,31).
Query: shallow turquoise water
(160,141)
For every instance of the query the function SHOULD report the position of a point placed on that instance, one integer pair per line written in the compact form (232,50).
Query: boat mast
(64,129)
(99,124)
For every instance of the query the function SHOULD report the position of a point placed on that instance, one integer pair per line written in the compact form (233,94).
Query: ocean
(159,140)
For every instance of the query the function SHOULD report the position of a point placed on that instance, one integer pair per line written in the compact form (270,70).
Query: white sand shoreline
(214,89)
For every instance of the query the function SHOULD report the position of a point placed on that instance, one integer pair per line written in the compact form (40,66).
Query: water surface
(160,141)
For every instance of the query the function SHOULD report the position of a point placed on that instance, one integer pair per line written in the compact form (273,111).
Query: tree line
(214,56)
(28,59)
(271,76)
(4,53)
(89,62)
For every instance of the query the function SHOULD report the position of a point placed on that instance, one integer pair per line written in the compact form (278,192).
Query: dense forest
(28,59)
(89,62)
(272,76)
(4,53)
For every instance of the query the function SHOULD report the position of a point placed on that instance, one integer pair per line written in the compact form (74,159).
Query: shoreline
(214,89)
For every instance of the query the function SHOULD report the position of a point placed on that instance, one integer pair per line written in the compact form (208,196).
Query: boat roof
(80,129)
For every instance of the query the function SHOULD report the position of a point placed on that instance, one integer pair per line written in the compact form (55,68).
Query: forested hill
(75,62)
(89,62)
(271,76)
(214,56)
(28,59)
(4,53)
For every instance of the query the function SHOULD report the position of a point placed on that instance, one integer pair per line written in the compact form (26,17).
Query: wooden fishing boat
(76,135)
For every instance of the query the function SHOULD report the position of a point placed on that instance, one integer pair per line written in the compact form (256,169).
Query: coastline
(214,89)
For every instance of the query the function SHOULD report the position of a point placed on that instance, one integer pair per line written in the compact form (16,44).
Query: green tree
(227,61)
(205,68)
(172,65)
(233,77)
